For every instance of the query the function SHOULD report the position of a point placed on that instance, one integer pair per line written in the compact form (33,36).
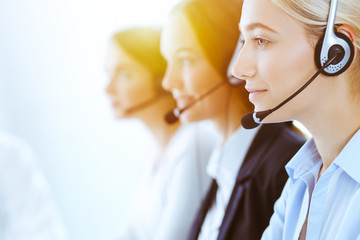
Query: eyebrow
(253,26)
(122,66)
(184,49)
(119,67)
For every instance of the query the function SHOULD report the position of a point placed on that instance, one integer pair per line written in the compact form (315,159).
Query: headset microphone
(142,105)
(333,55)
(253,119)
(174,115)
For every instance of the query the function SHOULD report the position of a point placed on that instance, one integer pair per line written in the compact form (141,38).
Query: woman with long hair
(282,50)
(172,184)
(247,166)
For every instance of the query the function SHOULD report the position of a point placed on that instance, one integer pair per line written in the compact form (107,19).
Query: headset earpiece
(340,45)
(334,43)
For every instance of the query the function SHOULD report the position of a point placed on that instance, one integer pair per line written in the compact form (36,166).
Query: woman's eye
(123,75)
(186,62)
(241,42)
(261,41)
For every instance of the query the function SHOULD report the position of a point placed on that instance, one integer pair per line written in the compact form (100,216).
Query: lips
(116,105)
(254,92)
(183,102)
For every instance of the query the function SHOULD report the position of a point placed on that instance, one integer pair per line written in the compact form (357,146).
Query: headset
(329,42)
(173,115)
(334,53)
(142,105)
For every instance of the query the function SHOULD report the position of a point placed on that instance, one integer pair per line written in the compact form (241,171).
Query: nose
(244,67)
(172,79)
(111,87)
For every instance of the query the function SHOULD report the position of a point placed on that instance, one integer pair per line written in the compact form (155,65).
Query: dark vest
(259,184)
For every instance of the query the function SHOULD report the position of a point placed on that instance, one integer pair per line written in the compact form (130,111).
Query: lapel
(264,139)
(205,206)
(262,142)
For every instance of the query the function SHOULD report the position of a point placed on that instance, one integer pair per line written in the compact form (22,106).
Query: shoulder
(272,148)
(283,132)
(17,164)
(198,131)
(192,137)
(279,139)
(191,145)
(13,149)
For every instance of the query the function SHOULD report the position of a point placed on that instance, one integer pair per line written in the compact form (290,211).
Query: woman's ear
(348,32)
(351,35)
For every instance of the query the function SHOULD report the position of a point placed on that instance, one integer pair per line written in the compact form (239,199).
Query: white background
(52,96)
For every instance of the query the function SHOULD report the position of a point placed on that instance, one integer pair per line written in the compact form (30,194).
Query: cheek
(135,93)
(289,72)
(200,79)
(193,81)
(127,93)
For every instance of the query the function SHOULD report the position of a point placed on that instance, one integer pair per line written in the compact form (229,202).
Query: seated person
(247,167)
(173,183)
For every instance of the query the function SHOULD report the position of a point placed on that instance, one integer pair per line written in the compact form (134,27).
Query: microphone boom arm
(253,119)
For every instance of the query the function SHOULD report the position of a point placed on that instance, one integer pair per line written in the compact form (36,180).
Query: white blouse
(224,165)
(168,199)
(27,211)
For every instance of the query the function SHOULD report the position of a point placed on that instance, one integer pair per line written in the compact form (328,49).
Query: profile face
(130,84)
(189,74)
(276,59)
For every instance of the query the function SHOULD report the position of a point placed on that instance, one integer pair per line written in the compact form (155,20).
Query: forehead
(178,35)
(117,57)
(266,15)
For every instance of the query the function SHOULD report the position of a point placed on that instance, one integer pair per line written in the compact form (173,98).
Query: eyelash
(256,39)
(241,42)
(123,75)
(185,61)
(259,39)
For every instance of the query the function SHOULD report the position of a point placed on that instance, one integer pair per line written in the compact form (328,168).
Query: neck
(331,130)
(153,118)
(228,120)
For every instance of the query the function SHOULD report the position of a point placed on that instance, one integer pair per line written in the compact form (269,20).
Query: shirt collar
(307,157)
(226,159)
(349,157)
(303,161)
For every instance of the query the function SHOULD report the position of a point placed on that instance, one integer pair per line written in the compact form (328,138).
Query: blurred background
(52,95)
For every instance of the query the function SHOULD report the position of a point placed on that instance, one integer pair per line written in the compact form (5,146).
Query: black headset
(333,55)
(334,43)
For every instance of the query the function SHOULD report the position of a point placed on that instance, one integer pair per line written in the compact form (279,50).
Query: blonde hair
(143,44)
(215,24)
(313,15)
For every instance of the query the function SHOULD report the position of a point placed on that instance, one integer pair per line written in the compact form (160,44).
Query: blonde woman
(321,199)
(247,167)
(172,184)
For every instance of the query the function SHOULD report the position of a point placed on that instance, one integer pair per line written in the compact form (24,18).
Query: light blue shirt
(335,198)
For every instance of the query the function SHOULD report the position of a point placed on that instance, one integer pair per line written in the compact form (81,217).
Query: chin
(118,117)
(276,118)
(259,108)
(187,117)
(118,114)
